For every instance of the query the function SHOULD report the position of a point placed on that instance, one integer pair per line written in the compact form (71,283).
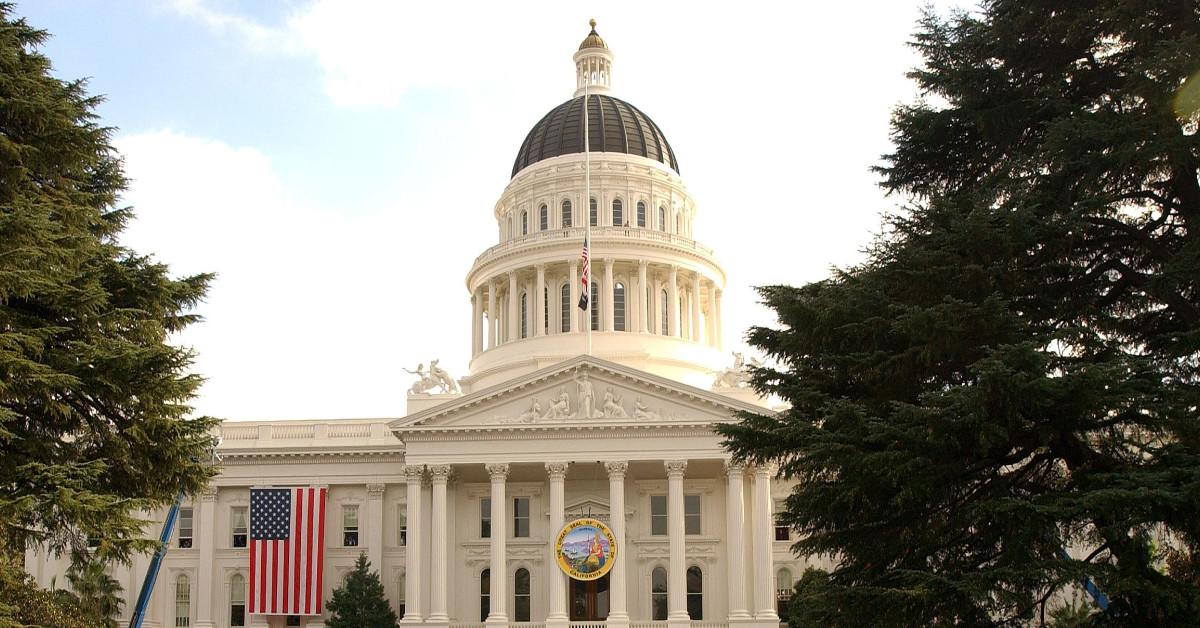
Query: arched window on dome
(662,218)
(618,216)
(619,307)
(678,224)
(237,600)
(524,223)
(545,310)
(658,594)
(641,214)
(485,594)
(521,595)
(183,601)
(543,218)
(524,315)
(593,213)
(695,593)
(564,312)
(595,305)
(566,214)
(666,320)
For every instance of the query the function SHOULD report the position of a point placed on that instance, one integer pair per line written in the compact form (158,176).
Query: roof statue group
(736,376)
(436,378)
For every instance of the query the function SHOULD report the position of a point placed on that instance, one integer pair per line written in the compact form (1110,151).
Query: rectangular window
(292,620)
(485,518)
(520,517)
(402,521)
(658,515)
(185,527)
(782,532)
(237,524)
(350,525)
(237,601)
(691,514)
(403,585)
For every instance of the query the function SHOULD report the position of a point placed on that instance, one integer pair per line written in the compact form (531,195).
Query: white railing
(362,430)
(598,233)
(710,624)
(587,624)
(647,624)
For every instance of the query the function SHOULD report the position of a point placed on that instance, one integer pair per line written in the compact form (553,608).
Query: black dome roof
(616,127)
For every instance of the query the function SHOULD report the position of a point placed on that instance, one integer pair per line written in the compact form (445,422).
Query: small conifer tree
(359,601)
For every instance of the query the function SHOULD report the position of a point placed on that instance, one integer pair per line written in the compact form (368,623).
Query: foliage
(1014,369)
(359,601)
(97,591)
(23,604)
(93,423)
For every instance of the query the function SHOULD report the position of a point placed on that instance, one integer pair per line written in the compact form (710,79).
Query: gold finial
(593,23)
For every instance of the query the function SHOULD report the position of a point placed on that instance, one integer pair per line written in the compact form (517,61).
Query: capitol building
(565,414)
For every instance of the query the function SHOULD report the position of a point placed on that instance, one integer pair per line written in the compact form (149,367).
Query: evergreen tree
(97,591)
(359,601)
(93,400)
(1014,369)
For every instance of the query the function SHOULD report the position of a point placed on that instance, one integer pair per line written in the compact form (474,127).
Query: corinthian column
(735,532)
(618,617)
(673,306)
(439,474)
(643,302)
(572,318)
(677,570)
(763,566)
(695,303)
(557,618)
(608,308)
(491,314)
(412,546)
(499,592)
(539,303)
(513,319)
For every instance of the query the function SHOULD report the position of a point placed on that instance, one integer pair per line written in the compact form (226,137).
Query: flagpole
(587,196)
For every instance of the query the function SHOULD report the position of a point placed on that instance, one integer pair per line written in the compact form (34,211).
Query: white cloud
(310,307)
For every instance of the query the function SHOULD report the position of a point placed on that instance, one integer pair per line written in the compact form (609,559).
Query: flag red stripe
(274,576)
(253,547)
(262,576)
(300,510)
(308,576)
(320,550)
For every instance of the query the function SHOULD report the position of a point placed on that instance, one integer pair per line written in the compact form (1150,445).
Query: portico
(502,486)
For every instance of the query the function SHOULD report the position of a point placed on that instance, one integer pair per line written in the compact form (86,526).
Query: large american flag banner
(287,543)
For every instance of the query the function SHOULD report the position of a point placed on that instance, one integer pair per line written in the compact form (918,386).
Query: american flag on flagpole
(287,550)
(585,278)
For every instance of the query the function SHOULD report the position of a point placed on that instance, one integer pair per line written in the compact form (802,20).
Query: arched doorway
(589,599)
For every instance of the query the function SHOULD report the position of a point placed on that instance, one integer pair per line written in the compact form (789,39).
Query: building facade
(566,413)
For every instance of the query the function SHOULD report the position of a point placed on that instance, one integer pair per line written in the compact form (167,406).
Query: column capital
(675,467)
(413,473)
(608,261)
(734,468)
(557,470)
(208,494)
(375,491)
(616,468)
(497,471)
(766,470)
(440,473)
(540,266)
(642,264)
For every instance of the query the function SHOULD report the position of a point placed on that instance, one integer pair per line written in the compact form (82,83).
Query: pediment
(584,392)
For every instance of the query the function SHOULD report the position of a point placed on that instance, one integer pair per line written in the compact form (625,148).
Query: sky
(336,162)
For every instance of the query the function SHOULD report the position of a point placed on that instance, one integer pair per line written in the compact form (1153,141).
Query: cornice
(286,456)
(708,399)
